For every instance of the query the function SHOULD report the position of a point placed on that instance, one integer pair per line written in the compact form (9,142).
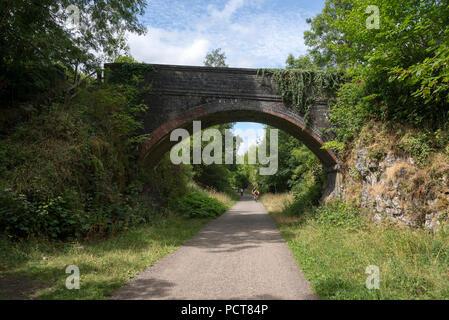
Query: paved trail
(240,255)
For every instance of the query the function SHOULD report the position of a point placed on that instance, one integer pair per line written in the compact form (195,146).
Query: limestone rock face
(395,189)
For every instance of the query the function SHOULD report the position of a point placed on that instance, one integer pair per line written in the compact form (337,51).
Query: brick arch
(181,94)
(158,141)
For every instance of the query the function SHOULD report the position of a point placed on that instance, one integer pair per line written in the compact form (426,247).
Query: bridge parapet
(226,83)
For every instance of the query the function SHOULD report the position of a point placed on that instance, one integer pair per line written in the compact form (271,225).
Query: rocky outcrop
(394,188)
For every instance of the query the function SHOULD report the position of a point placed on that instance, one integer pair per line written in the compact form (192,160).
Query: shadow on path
(240,255)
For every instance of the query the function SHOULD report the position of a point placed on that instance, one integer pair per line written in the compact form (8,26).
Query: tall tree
(323,34)
(75,34)
(399,62)
(215,58)
(304,62)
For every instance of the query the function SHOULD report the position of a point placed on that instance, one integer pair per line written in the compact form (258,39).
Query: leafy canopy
(38,35)
(400,69)
(215,58)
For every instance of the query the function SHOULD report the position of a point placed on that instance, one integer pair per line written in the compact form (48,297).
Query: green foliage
(241,179)
(197,205)
(215,58)
(335,245)
(334,145)
(106,264)
(298,167)
(36,41)
(129,74)
(302,88)
(431,76)
(125,59)
(58,218)
(166,182)
(338,214)
(350,112)
(216,176)
(302,62)
(220,177)
(401,67)
(323,34)
(419,146)
(71,169)
(307,196)
(398,72)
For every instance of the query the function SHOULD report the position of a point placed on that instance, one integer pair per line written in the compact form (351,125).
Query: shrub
(338,214)
(60,217)
(67,171)
(54,218)
(418,145)
(349,113)
(194,205)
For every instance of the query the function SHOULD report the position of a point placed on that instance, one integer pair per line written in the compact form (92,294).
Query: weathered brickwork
(182,94)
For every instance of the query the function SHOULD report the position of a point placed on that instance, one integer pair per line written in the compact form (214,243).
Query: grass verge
(334,245)
(36,268)
(104,265)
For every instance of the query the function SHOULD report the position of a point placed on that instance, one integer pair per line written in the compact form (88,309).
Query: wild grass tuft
(334,244)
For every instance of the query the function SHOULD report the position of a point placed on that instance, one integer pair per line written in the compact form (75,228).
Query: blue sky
(252,33)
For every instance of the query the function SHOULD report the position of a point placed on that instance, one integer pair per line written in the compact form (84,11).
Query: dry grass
(229,199)
(276,202)
(225,198)
(105,265)
(413,263)
(421,186)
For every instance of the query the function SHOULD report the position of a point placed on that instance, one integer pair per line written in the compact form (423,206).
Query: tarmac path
(240,255)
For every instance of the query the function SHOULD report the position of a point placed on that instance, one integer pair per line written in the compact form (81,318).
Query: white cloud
(168,47)
(249,36)
(230,7)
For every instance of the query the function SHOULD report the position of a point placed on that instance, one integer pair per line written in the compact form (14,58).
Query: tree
(298,167)
(400,65)
(323,34)
(302,62)
(215,58)
(36,38)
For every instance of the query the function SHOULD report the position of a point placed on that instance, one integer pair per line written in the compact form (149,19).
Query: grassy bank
(334,244)
(35,268)
(104,265)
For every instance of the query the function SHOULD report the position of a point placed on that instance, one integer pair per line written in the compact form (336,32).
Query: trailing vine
(302,88)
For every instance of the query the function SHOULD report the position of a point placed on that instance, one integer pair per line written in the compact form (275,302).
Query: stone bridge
(182,94)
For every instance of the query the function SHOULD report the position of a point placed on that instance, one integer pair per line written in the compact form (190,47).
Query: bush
(350,111)
(194,205)
(59,217)
(338,214)
(419,145)
(307,198)
(21,217)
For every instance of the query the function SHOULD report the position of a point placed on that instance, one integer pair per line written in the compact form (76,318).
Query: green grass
(333,248)
(105,265)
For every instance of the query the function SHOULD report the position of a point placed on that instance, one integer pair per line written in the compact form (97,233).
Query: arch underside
(221,111)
